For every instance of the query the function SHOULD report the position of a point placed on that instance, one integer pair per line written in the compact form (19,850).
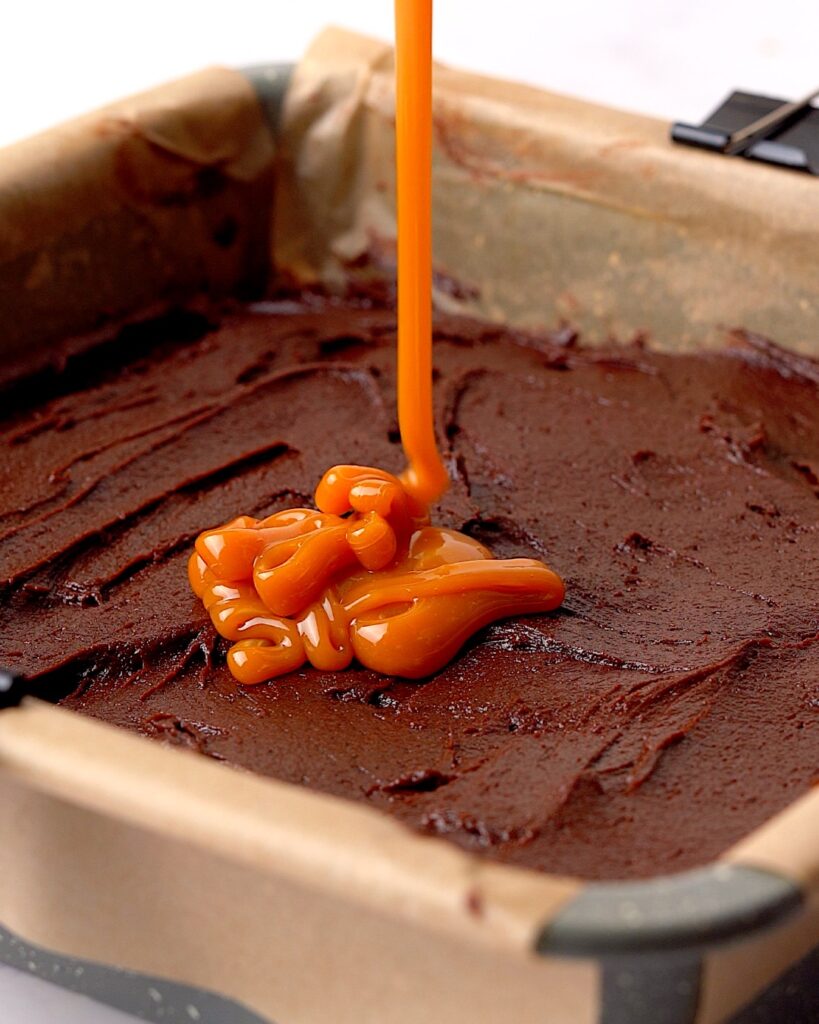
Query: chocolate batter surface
(670,707)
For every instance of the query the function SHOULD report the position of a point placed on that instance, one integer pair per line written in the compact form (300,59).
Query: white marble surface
(672,58)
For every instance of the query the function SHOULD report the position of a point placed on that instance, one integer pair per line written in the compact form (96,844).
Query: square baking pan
(174,888)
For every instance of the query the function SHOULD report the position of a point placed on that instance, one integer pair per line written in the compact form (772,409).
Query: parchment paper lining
(545,207)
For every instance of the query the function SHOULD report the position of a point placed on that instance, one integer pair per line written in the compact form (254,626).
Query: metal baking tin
(652,948)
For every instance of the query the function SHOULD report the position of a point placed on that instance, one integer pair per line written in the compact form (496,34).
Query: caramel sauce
(425,475)
(365,575)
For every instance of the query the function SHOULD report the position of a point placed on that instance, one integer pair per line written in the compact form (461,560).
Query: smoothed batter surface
(669,708)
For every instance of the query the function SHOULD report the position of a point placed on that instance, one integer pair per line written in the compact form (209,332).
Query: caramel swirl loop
(363,576)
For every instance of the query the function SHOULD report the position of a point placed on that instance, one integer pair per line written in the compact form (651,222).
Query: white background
(672,58)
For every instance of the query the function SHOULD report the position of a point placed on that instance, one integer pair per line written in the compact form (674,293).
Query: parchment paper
(138,205)
(546,208)
(309,909)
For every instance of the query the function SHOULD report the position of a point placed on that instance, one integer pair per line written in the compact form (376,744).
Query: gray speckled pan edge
(674,913)
(650,936)
(144,997)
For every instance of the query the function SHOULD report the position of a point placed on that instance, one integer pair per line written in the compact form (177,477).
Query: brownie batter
(667,709)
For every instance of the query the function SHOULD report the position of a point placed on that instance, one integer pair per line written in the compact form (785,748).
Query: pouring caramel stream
(365,575)
(425,476)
